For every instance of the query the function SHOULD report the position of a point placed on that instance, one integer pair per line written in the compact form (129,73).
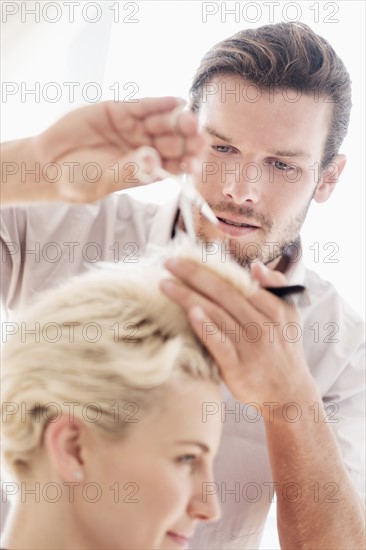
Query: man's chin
(244,251)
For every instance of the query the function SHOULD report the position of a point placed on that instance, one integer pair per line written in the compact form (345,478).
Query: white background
(153,49)
(158,54)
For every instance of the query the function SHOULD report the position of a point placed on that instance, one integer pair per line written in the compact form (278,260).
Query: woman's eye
(187,459)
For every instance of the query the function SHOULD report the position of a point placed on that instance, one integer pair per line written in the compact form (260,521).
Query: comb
(293,294)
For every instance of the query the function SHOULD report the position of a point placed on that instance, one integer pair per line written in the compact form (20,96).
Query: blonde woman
(104,389)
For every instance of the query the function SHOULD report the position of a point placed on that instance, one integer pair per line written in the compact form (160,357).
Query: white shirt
(44,243)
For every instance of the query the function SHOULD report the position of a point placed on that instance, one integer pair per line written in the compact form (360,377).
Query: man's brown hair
(284,56)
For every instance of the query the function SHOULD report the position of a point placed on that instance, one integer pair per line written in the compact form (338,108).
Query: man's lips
(237,223)
(236,228)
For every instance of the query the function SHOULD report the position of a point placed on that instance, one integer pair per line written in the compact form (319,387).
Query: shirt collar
(295,270)
(163,223)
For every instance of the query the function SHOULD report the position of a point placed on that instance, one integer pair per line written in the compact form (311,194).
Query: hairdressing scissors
(189,196)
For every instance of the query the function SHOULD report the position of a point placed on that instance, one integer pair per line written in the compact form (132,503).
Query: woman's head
(105,397)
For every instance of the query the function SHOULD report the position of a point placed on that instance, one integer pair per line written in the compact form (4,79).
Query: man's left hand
(256,341)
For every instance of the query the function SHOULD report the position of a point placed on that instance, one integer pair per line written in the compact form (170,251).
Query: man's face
(262,166)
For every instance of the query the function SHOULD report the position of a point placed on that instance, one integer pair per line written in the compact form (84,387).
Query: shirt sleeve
(345,412)
(12,234)
(43,244)
(335,349)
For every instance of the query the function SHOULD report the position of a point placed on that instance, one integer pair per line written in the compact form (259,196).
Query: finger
(222,349)
(184,295)
(266,276)
(272,307)
(170,147)
(188,162)
(160,124)
(183,123)
(174,166)
(265,302)
(139,167)
(147,106)
(187,123)
(127,120)
(135,168)
(147,162)
(194,145)
(215,288)
(179,165)
(177,147)
(188,299)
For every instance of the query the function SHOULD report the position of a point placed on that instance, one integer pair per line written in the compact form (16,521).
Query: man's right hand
(97,150)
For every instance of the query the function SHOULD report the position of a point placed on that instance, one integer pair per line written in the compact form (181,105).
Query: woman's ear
(64,440)
(329,178)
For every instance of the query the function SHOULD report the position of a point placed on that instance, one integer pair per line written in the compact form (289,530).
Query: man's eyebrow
(202,446)
(214,133)
(298,154)
(280,153)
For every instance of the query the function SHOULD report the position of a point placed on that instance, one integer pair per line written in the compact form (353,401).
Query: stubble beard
(245,253)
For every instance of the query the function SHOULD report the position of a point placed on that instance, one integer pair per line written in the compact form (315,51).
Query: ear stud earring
(78,474)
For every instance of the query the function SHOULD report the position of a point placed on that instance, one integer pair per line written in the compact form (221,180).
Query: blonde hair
(105,340)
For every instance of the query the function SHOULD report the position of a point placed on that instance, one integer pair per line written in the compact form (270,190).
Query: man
(274,105)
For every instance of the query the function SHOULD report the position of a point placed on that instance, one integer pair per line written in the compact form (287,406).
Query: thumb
(138,167)
(148,164)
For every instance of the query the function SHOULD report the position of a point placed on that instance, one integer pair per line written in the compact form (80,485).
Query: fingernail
(262,266)
(148,159)
(171,263)
(167,285)
(198,313)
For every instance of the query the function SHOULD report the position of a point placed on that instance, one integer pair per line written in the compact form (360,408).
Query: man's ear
(64,439)
(329,178)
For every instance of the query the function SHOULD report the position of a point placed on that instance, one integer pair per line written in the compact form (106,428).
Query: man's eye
(222,148)
(279,165)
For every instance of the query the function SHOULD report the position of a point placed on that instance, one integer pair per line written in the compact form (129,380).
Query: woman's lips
(182,540)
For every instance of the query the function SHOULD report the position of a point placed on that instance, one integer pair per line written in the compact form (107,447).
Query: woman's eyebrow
(202,446)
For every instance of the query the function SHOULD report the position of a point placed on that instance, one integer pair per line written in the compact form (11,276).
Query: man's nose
(241,183)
